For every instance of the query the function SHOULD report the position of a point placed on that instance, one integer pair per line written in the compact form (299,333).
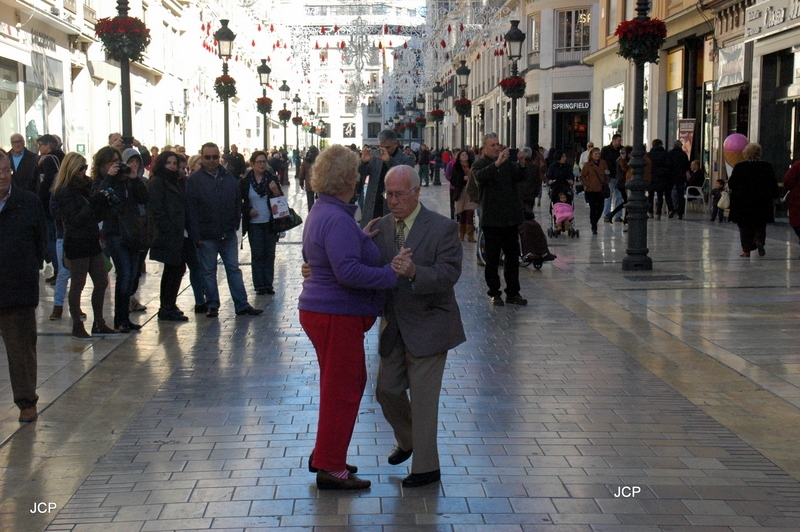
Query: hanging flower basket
(421,121)
(306,127)
(513,86)
(284,115)
(123,37)
(437,115)
(264,105)
(400,128)
(463,106)
(225,87)
(411,125)
(640,40)
(297,120)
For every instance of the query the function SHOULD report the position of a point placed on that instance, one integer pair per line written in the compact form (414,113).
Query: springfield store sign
(570,106)
(772,16)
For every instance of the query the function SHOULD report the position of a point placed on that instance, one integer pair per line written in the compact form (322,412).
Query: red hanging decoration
(336,29)
(268,59)
(385,29)
(322,30)
(253,43)
(449,29)
(447,56)
(461,27)
(259,27)
(405,44)
(342,45)
(390,44)
(444,44)
(271,27)
(380,46)
(399,29)
(477,58)
(316,46)
(467,43)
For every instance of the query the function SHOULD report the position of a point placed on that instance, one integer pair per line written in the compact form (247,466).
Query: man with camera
(375,162)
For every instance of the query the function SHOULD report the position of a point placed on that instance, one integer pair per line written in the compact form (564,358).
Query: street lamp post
(263,77)
(225,37)
(312,127)
(514,39)
(296,101)
(421,108)
(410,118)
(285,92)
(462,74)
(437,100)
(125,87)
(636,208)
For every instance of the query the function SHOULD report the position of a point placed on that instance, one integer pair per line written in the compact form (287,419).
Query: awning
(730,93)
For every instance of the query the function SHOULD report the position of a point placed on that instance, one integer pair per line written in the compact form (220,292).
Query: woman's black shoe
(326,481)
(171,315)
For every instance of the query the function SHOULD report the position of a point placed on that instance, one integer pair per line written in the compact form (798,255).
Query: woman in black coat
(171,246)
(256,188)
(753,188)
(81,212)
(559,175)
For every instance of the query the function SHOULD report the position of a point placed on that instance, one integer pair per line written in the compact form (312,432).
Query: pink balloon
(735,142)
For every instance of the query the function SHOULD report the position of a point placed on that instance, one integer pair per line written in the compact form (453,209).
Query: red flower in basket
(123,37)
(640,40)
(225,87)
(463,106)
(264,105)
(284,115)
(297,120)
(437,115)
(421,122)
(513,86)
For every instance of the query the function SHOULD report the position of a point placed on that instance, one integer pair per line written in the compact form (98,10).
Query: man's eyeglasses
(397,195)
(210,157)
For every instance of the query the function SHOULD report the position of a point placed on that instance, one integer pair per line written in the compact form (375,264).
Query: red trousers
(339,342)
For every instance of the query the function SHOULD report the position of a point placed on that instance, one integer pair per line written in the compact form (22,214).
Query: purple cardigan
(346,272)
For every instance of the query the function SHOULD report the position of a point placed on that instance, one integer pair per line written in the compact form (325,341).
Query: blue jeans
(613,200)
(262,251)
(196,277)
(63,276)
(227,249)
(51,254)
(126,264)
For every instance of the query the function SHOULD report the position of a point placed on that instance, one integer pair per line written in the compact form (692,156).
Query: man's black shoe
(201,309)
(497,301)
(548,256)
(415,480)
(249,311)
(398,455)
(516,300)
(212,312)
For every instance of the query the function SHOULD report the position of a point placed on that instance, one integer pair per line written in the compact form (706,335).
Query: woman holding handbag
(257,187)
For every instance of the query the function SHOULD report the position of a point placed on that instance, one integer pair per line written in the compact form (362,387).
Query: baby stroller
(554,230)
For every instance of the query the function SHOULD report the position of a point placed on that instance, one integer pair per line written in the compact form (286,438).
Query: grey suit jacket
(373,169)
(423,312)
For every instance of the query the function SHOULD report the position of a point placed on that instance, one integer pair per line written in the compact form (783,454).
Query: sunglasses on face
(210,157)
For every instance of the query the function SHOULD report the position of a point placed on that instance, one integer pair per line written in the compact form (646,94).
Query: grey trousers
(18,326)
(415,421)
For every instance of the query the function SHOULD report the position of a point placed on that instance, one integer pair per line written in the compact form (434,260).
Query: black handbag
(606,191)
(280,225)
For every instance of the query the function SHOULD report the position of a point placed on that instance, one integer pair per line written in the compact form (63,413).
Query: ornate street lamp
(410,109)
(636,208)
(312,128)
(462,75)
(421,108)
(263,78)
(225,37)
(296,101)
(437,101)
(514,39)
(285,97)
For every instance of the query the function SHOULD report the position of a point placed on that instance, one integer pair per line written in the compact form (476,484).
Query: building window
(373,106)
(534,39)
(612,16)
(573,32)
(373,128)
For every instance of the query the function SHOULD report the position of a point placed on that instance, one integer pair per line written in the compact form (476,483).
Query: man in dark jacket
(214,209)
(239,164)
(23,234)
(610,154)
(501,215)
(46,171)
(659,183)
(678,165)
(376,168)
(23,161)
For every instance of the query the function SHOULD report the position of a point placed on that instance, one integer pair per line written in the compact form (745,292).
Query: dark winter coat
(166,207)
(23,237)
(131,192)
(678,165)
(659,171)
(24,175)
(45,173)
(499,199)
(81,212)
(213,203)
(753,188)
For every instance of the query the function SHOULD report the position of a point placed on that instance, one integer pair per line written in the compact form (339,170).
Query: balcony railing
(533,59)
(89,14)
(71,6)
(570,56)
(374,109)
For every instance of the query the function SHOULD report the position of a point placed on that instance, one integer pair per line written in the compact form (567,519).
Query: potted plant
(297,120)
(463,106)
(640,40)
(421,121)
(123,37)
(284,115)
(437,115)
(225,87)
(513,86)
(264,105)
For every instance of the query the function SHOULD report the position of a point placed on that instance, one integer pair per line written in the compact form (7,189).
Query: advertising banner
(686,134)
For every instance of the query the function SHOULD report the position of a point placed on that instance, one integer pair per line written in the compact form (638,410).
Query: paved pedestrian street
(615,401)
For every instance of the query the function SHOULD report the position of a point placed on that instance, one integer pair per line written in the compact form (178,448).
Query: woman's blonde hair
(752,152)
(335,171)
(70,166)
(192,162)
